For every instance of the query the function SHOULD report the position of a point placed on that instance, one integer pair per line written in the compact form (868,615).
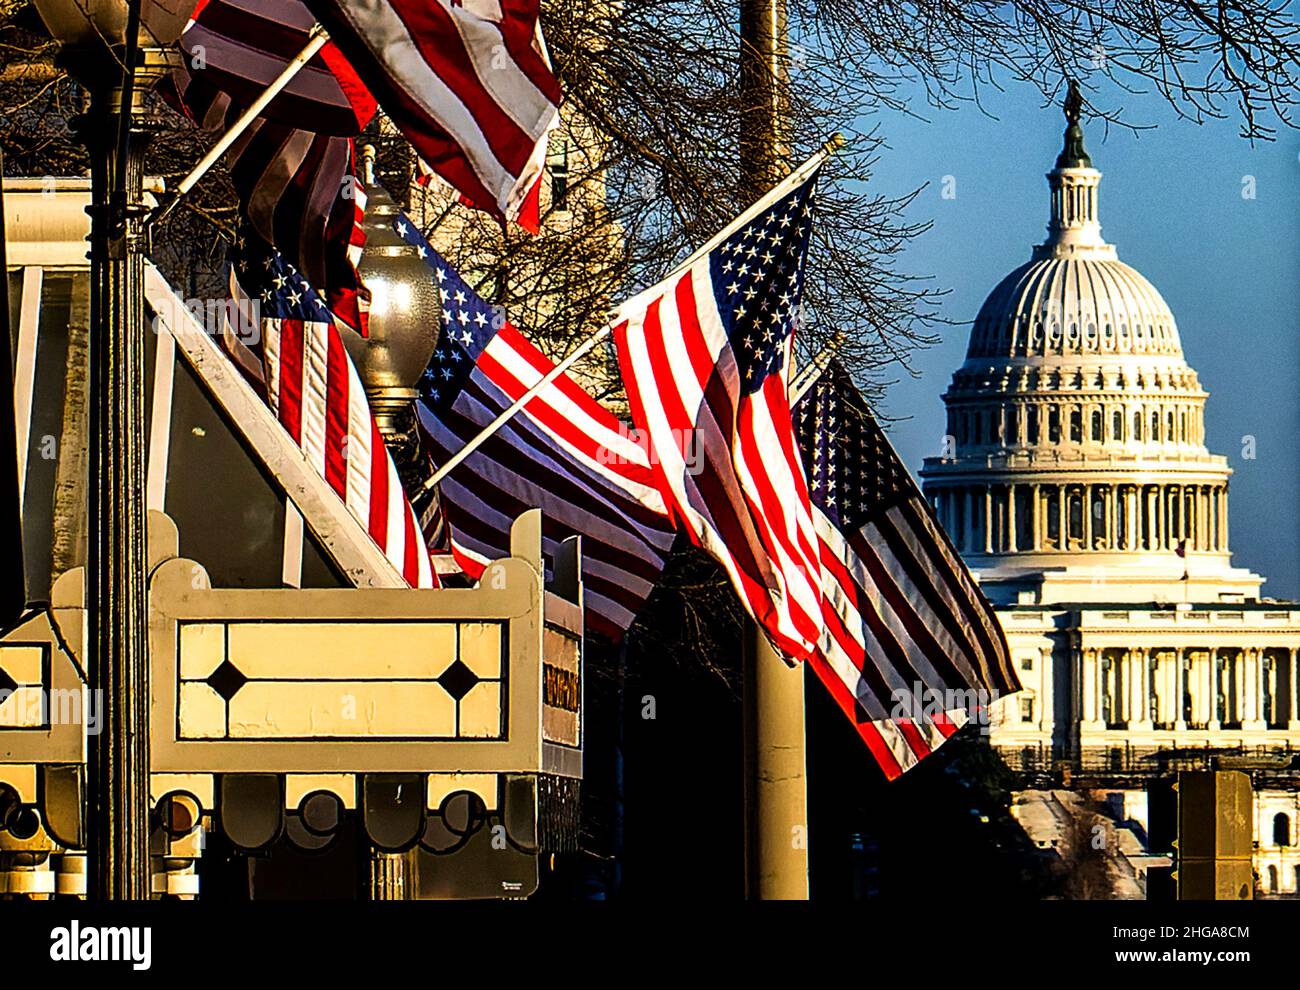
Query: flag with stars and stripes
(911,647)
(298,189)
(704,357)
(563,453)
(314,390)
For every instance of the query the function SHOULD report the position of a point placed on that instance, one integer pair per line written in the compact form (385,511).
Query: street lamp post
(117,50)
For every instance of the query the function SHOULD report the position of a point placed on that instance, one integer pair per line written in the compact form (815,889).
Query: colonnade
(1153,687)
(1034,424)
(1016,518)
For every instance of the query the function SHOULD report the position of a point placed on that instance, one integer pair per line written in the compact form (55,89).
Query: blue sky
(1172,202)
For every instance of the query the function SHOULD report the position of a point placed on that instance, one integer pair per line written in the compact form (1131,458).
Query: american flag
(466,81)
(313,388)
(704,357)
(910,644)
(563,453)
(298,191)
(241,46)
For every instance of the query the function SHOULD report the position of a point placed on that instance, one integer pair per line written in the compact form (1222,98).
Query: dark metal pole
(118,818)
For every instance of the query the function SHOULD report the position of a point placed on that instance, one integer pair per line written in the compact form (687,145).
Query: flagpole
(773,716)
(807,378)
(790,182)
(496,424)
(318,40)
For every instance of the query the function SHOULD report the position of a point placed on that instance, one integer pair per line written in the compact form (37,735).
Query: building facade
(1076,483)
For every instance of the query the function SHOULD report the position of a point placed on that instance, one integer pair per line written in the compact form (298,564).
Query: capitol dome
(1074,464)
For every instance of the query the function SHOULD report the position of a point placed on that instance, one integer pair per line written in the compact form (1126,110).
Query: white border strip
(160,425)
(29,326)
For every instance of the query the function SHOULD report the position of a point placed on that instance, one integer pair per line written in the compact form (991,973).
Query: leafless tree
(654,85)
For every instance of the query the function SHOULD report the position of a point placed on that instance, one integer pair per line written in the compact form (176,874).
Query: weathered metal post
(117,50)
(776,820)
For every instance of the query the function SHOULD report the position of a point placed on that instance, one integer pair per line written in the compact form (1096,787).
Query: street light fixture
(118,50)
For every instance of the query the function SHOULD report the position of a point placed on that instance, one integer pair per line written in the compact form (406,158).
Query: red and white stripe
(314,390)
(747,503)
(467,83)
(565,454)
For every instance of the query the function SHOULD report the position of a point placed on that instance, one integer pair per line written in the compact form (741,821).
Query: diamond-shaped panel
(457,680)
(226,680)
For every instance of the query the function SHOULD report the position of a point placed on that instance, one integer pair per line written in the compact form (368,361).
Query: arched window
(1054,425)
(1169,427)
(1155,427)
(1031,425)
(1117,425)
(1076,426)
(1097,425)
(1272,879)
(1281,829)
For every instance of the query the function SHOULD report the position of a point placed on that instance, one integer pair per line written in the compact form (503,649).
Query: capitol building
(1076,483)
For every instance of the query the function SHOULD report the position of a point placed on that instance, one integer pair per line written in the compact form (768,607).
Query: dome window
(1097,425)
(1137,426)
(1155,427)
(1076,426)
(1031,426)
(1053,425)
(1117,426)
(1075,516)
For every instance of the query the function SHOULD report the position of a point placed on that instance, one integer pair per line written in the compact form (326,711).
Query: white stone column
(1293,694)
(1180,691)
(1047,691)
(1212,695)
(1142,688)
(1203,518)
(1086,498)
(1223,518)
(1090,682)
(1131,521)
(1112,517)
(1061,521)
(1252,683)
(1011,519)
(1151,518)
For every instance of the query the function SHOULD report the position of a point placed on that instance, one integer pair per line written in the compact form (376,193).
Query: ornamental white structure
(1076,483)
